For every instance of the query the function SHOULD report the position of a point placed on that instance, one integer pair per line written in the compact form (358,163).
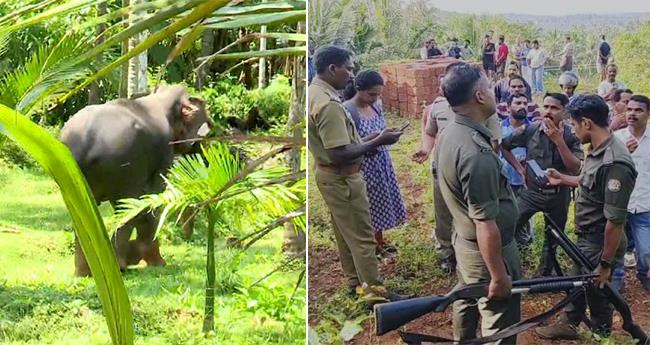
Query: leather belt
(344,170)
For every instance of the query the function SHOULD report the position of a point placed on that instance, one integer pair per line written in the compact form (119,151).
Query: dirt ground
(327,277)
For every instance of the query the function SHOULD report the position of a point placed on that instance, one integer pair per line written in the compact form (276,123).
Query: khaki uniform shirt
(329,125)
(606,183)
(541,149)
(472,181)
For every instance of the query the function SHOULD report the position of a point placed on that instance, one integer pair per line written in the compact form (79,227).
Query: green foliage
(13,154)
(273,101)
(632,50)
(228,99)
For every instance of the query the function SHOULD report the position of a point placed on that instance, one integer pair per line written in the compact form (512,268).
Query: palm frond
(218,178)
(49,68)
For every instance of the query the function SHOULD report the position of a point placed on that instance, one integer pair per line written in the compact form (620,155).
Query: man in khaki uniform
(337,150)
(434,121)
(604,188)
(482,204)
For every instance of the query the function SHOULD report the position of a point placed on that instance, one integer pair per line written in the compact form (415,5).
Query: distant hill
(564,23)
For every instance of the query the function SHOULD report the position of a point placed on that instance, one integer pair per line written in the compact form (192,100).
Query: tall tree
(295,239)
(94,92)
(207,48)
(137,76)
(261,76)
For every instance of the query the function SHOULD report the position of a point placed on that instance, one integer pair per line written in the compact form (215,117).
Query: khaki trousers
(347,201)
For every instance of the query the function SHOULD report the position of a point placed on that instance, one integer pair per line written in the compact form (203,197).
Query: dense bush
(273,101)
(231,103)
(13,155)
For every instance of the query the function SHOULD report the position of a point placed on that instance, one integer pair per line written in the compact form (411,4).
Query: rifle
(392,315)
(614,297)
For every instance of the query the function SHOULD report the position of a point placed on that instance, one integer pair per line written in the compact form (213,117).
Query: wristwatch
(605,264)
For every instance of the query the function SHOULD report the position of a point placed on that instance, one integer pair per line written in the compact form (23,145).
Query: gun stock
(390,316)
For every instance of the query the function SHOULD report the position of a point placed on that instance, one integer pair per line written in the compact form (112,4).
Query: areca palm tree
(230,193)
(56,72)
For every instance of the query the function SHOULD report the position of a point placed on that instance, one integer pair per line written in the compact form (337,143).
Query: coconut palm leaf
(48,69)
(57,161)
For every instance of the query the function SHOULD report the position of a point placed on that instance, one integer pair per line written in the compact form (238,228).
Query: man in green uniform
(479,197)
(604,189)
(434,122)
(337,150)
(551,144)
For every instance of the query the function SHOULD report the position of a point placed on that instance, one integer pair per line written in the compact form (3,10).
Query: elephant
(123,148)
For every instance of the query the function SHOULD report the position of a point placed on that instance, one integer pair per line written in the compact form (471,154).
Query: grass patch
(41,302)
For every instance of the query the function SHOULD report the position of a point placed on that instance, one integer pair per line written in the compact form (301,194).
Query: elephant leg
(149,248)
(81,268)
(123,246)
(187,220)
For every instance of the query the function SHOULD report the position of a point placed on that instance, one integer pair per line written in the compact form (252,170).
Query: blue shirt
(519,153)
(522,56)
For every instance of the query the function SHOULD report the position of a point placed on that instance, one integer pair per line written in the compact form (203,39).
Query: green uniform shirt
(329,125)
(472,181)
(540,148)
(606,183)
(441,114)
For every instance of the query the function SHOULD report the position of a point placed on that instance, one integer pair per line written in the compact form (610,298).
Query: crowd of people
(484,139)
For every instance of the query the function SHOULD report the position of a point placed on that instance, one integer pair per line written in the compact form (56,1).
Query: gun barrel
(390,316)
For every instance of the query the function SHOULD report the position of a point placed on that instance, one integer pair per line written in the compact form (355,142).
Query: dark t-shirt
(454,52)
(541,149)
(433,51)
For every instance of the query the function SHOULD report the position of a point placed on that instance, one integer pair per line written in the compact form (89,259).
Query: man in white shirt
(608,86)
(536,59)
(424,51)
(637,139)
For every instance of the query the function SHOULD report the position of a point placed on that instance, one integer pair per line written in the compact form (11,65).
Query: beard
(520,114)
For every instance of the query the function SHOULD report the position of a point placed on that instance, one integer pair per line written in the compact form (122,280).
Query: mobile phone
(540,175)
(404,127)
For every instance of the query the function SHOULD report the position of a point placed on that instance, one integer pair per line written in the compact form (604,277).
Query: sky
(543,7)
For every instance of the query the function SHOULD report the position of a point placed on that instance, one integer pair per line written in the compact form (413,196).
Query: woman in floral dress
(387,209)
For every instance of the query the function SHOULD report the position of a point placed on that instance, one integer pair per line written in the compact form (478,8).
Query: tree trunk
(94,92)
(206,49)
(208,320)
(294,239)
(261,75)
(137,76)
(124,69)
